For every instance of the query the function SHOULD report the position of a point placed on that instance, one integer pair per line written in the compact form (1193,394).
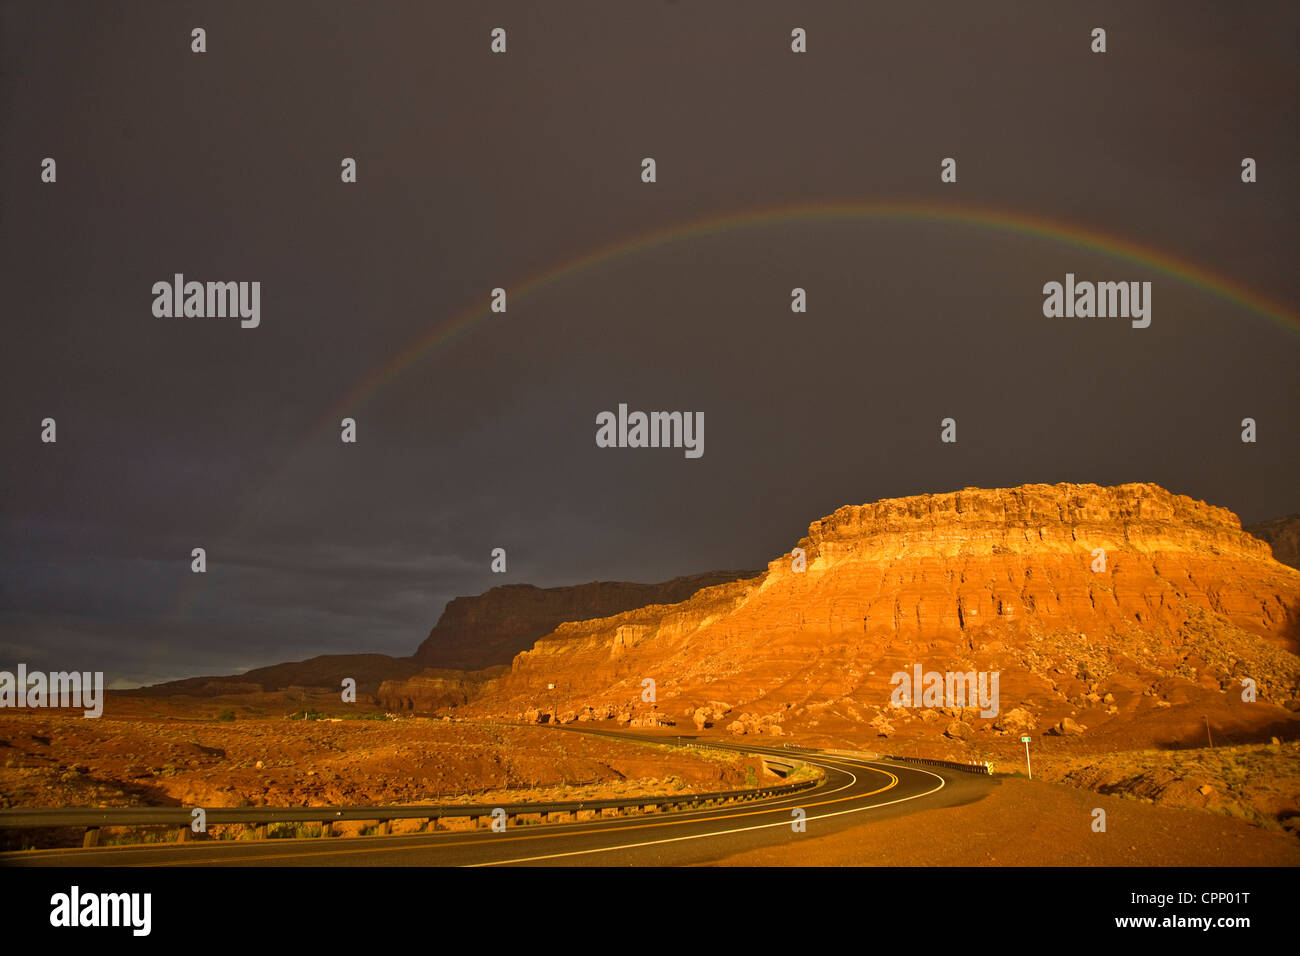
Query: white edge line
(697,836)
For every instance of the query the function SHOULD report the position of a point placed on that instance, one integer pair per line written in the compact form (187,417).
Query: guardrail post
(91,838)
(260,832)
(326,828)
(183,836)
(385,827)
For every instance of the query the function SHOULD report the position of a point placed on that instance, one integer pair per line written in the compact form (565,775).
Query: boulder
(1068,728)
(959,731)
(1015,721)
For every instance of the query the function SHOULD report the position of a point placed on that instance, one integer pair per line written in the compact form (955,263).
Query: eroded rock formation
(1006,580)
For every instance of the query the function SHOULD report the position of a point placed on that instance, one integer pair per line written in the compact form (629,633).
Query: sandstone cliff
(490,628)
(1186,606)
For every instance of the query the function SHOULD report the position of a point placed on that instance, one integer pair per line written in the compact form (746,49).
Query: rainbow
(920,211)
(923,212)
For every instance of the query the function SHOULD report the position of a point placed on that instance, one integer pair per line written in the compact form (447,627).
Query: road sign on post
(1025,740)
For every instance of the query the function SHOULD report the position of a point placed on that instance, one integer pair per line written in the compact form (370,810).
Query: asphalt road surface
(855,791)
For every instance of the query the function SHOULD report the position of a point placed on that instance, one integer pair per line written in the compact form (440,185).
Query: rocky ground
(1257,784)
(57,760)
(184,754)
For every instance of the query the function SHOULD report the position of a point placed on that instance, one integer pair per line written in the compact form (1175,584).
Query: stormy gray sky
(478,170)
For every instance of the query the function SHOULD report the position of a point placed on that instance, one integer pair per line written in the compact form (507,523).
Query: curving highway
(854,791)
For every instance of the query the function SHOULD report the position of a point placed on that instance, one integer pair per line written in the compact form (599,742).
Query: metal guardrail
(984,768)
(94,818)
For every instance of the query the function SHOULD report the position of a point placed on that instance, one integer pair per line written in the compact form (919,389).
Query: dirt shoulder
(1034,823)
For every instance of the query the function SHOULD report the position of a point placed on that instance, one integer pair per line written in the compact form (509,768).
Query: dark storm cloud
(478,171)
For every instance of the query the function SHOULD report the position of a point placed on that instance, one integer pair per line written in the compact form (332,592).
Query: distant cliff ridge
(477,635)
(491,628)
(326,671)
(1283,536)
